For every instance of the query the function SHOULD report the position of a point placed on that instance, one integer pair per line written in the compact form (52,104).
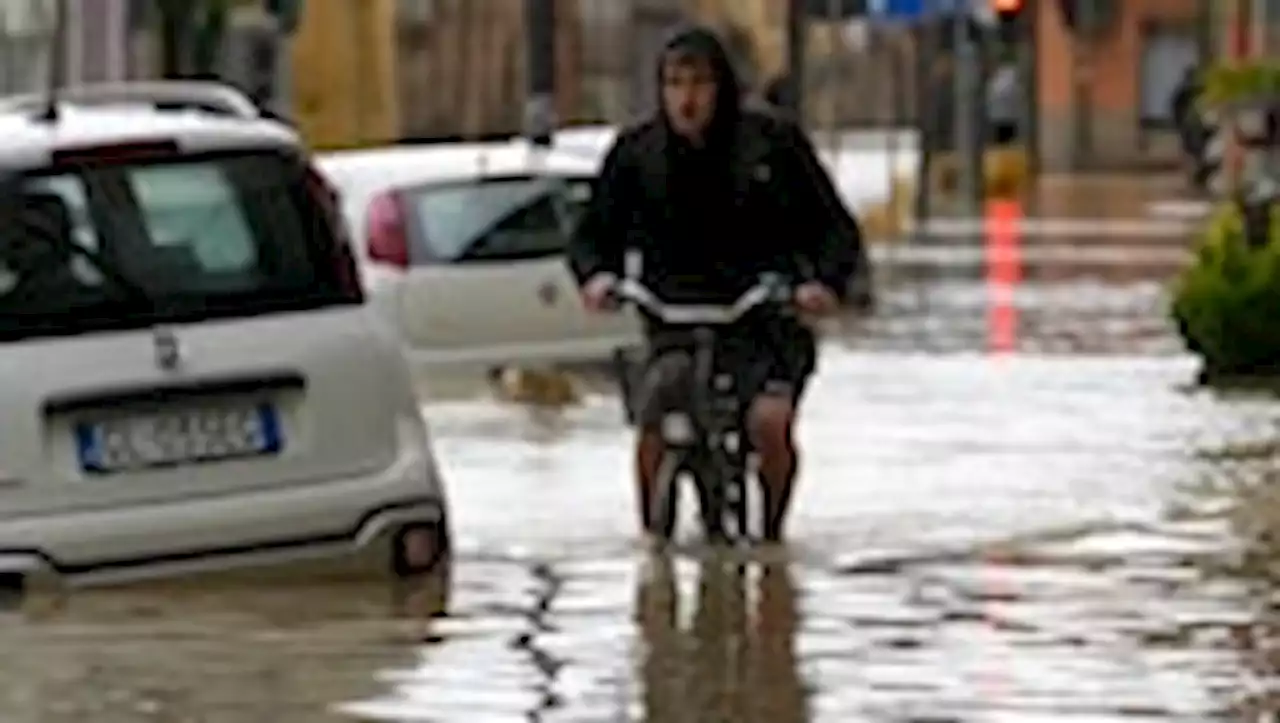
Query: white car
(190,376)
(462,247)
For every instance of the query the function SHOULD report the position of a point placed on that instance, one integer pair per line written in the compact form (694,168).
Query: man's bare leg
(664,389)
(769,426)
(649,454)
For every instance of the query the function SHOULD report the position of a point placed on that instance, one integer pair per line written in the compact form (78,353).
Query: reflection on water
(1103,624)
(1246,492)
(732,657)
(234,649)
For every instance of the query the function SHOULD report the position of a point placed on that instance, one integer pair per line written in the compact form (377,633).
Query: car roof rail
(201,95)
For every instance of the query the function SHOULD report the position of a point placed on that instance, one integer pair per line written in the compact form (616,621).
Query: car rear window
(183,238)
(498,218)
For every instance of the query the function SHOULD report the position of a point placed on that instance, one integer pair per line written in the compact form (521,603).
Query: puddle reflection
(733,656)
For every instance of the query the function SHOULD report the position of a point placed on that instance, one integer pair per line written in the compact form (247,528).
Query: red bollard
(1002,247)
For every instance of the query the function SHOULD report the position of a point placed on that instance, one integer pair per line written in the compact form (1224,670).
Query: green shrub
(1227,84)
(1227,303)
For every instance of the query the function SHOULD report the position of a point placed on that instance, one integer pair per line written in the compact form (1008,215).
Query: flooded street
(1004,515)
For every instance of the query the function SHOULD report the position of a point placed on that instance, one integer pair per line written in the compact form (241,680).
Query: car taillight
(386,235)
(344,260)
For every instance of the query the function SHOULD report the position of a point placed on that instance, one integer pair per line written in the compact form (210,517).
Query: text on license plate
(178,437)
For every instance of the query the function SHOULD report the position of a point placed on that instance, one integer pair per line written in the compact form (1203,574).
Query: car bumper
(339,518)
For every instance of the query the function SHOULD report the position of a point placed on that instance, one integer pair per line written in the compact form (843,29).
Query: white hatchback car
(464,250)
(190,377)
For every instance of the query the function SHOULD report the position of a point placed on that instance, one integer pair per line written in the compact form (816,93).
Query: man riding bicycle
(712,194)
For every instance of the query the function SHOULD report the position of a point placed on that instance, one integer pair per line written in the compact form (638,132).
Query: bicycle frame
(715,452)
(722,482)
(715,455)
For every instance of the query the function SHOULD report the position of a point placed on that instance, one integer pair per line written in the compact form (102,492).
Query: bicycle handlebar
(769,290)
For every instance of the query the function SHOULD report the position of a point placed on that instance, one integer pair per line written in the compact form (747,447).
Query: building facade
(98,41)
(96,46)
(1104,103)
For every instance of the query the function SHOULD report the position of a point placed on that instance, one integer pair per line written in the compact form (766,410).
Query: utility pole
(797,45)
(967,143)
(261,61)
(1205,27)
(926,119)
(1261,26)
(1082,75)
(287,16)
(1029,71)
(174,18)
(540,102)
(57,77)
(1015,33)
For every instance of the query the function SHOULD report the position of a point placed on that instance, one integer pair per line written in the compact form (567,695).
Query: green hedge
(1233,83)
(1227,303)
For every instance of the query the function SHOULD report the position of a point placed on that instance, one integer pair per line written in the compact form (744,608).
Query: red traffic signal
(1010,23)
(1008,9)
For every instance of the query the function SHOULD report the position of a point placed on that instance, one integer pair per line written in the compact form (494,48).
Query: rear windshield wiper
(66,248)
(111,272)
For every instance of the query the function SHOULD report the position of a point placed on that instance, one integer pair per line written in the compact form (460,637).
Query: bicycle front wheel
(738,494)
(663,500)
(717,491)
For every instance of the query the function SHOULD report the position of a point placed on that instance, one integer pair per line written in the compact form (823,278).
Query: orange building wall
(1114,83)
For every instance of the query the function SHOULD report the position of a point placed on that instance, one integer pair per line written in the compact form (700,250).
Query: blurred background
(363,71)
(1028,89)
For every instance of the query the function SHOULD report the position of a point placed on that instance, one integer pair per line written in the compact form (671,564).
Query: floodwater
(1014,508)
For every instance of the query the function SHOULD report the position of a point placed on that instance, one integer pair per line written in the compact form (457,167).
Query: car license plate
(179,437)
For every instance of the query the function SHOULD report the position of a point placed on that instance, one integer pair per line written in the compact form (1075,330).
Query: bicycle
(706,442)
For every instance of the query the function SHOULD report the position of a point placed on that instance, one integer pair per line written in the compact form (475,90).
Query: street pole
(1029,81)
(1258,20)
(833,16)
(797,37)
(925,121)
(61,41)
(1205,26)
(174,26)
(58,58)
(968,149)
(540,101)
(1082,74)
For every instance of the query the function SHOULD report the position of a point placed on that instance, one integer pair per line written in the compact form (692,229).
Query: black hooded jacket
(707,221)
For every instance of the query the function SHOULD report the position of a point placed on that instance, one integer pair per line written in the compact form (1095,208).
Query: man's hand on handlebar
(814,298)
(597,293)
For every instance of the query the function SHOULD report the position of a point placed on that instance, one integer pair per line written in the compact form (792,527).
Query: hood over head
(702,42)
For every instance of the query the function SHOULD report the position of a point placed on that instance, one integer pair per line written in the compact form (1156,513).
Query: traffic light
(1010,16)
